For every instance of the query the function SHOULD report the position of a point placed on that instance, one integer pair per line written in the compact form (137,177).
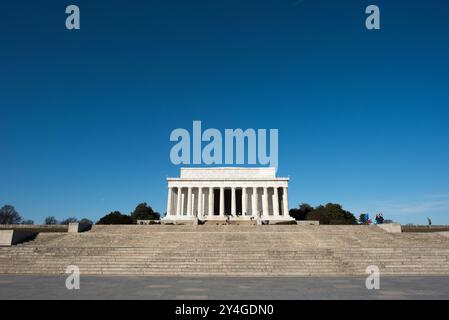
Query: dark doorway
(216,202)
(238,199)
(227,201)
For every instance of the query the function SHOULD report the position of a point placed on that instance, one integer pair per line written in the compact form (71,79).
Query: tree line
(141,212)
(331,213)
(9,215)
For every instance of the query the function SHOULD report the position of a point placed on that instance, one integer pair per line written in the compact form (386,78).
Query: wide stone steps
(147,251)
(230,250)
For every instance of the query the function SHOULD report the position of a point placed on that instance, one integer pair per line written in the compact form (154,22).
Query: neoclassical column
(265,201)
(254,201)
(244,202)
(193,203)
(178,202)
(222,202)
(200,202)
(183,203)
(285,202)
(275,202)
(211,202)
(189,201)
(233,202)
(169,201)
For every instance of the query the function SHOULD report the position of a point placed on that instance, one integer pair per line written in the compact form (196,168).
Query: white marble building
(214,193)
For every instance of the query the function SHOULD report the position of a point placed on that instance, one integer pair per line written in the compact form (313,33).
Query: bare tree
(69,220)
(9,215)
(50,220)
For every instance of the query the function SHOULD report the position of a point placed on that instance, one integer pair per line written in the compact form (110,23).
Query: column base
(191,220)
(250,218)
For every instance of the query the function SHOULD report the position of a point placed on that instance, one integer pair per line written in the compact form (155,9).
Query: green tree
(115,218)
(363,218)
(318,215)
(301,212)
(9,215)
(332,213)
(340,216)
(144,212)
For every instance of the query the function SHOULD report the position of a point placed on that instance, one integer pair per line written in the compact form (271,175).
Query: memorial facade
(215,193)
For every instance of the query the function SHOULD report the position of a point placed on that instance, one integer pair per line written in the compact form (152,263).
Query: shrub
(301,212)
(116,217)
(318,216)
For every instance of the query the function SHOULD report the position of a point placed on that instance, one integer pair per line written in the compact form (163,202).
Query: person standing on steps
(258,221)
(379,218)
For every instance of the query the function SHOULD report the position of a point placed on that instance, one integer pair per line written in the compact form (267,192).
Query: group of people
(366,220)
(379,218)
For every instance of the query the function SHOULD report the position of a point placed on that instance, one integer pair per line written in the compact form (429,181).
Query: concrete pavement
(203,288)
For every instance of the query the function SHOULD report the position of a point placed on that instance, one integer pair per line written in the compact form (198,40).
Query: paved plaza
(225,288)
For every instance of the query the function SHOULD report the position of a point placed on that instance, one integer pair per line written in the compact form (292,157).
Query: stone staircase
(212,250)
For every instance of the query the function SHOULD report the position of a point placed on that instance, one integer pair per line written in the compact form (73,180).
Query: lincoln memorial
(214,193)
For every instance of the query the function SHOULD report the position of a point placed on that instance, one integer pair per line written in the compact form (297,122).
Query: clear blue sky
(362,115)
